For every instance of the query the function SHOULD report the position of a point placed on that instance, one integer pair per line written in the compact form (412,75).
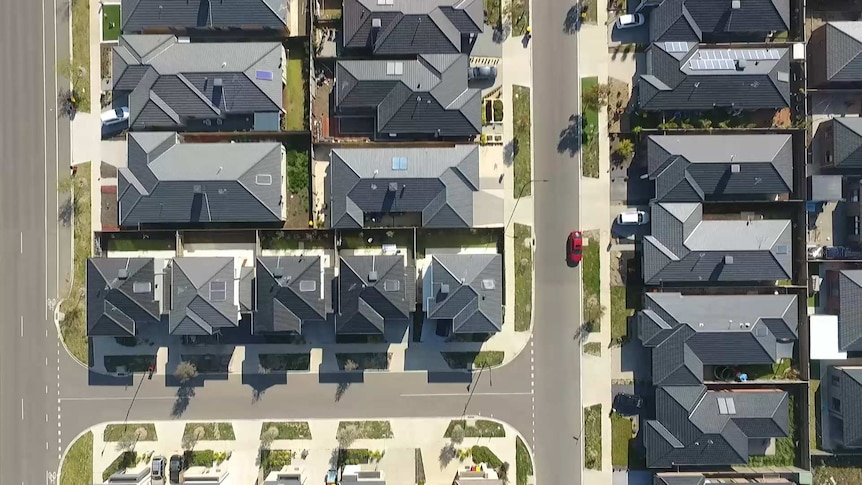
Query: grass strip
(78,463)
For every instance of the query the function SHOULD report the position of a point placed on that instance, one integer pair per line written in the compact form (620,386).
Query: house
(688,332)
(412,187)
(209,17)
(841,144)
(465,291)
(397,28)
(359,474)
(122,293)
(290,292)
(694,478)
(685,76)
(168,182)
(139,474)
(835,55)
(422,98)
(176,85)
(685,248)
(287,475)
(477,475)
(716,21)
(698,168)
(373,291)
(208,475)
(699,427)
(204,295)
(845,299)
(845,414)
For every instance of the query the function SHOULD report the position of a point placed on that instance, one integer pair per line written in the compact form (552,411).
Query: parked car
(114,116)
(574,247)
(157,467)
(633,218)
(482,72)
(627,404)
(176,467)
(630,20)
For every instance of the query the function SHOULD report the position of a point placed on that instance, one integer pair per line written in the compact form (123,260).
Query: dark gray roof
(679,479)
(246,282)
(411,27)
(717,20)
(291,291)
(694,426)
(687,77)
(690,478)
(823,188)
(425,96)
(850,311)
(851,411)
(694,168)
(141,15)
(847,142)
(843,53)
(120,295)
(172,85)
(372,290)
(685,248)
(467,289)
(204,295)
(439,183)
(719,330)
(167,182)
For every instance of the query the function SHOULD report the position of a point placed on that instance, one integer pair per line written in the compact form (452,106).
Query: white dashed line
(22,325)
(22,409)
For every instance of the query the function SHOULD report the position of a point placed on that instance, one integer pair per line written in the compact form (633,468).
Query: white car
(114,116)
(633,218)
(630,20)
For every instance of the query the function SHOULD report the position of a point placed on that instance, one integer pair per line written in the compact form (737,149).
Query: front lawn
(127,459)
(593,348)
(593,437)
(295,91)
(590,134)
(620,314)
(523,277)
(483,454)
(72,327)
(621,435)
(81,54)
(274,460)
(285,362)
(211,431)
(370,430)
(523,171)
(110,22)
(116,432)
(288,430)
(462,360)
(523,462)
(482,428)
(363,361)
(78,462)
(592,287)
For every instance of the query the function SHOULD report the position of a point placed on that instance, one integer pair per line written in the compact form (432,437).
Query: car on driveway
(176,467)
(157,468)
(114,116)
(574,247)
(482,73)
(633,218)
(630,20)
(627,404)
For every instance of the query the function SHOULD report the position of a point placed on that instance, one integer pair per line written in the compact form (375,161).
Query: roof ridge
(388,31)
(251,192)
(197,92)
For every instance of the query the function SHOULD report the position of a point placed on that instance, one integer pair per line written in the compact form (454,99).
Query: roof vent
(444,288)
(372,276)
(735,168)
(278,272)
(196,189)
(142,287)
(393,186)
(263,179)
(218,82)
(728,259)
(781,249)
(488,284)
(741,64)
(736,4)
(376,23)
(122,273)
(391,285)
(306,286)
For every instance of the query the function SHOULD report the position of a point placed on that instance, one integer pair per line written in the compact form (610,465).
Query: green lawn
(72,327)
(295,92)
(785,448)
(592,266)
(619,315)
(212,431)
(523,462)
(115,432)
(140,244)
(275,460)
(81,52)
(523,171)
(621,434)
(483,454)
(285,362)
(813,405)
(763,372)
(589,140)
(461,360)
(593,348)
(520,10)
(110,22)
(126,459)
(78,462)
(593,437)
(288,430)
(523,277)
(482,429)
(370,430)
(836,470)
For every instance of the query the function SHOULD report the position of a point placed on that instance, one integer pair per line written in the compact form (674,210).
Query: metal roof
(473,296)
(141,15)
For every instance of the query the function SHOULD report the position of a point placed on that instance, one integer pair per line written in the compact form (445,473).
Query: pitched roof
(405,27)
(679,479)
(694,168)
(439,183)
(204,295)
(428,95)
(467,289)
(851,412)
(843,53)
(850,311)
(688,77)
(685,248)
(140,15)
(291,290)
(846,142)
(173,84)
(372,290)
(694,426)
(719,330)
(120,295)
(171,182)
(710,20)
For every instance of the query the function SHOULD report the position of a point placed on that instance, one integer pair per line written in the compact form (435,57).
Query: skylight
(399,163)
(218,291)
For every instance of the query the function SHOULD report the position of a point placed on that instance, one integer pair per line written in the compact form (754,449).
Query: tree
(625,149)
(593,310)
(268,437)
(191,439)
(130,438)
(76,74)
(457,433)
(350,365)
(596,96)
(346,435)
(185,371)
(516,11)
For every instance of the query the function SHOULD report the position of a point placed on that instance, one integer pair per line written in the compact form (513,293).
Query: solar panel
(307,285)
(731,406)
(722,405)
(263,75)
(734,54)
(676,46)
(399,163)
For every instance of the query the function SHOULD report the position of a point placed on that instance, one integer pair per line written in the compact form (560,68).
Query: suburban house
(173,183)
(845,299)
(686,248)
(698,168)
(699,427)
(685,76)
(203,17)
(465,292)
(399,28)
(845,415)
(176,85)
(840,144)
(715,21)
(477,475)
(138,474)
(689,333)
(409,187)
(290,291)
(373,291)
(122,293)
(365,475)
(706,478)
(287,475)
(422,98)
(835,55)
(204,295)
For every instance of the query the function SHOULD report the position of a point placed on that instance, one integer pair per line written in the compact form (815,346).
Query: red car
(574,247)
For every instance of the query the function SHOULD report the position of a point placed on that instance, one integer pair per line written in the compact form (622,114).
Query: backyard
(593,437)
(836,470)
(73,308)
(455,238)
(363,361)
(297,169)
(110,22)
(285,362)
(785,448)
(296,89)
(523,170)
(147,244)
(590,123)
(523,277)
(78,462)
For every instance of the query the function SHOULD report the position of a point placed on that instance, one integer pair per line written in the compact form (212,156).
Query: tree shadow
(502,32)
(340,389)
(184,397)
(570,137)
(572,22)
(447,454)
(65,211)
(509,153)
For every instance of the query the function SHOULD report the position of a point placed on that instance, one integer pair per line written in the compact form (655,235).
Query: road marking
(46,417)
(46,387)
(22,409)
(22,325)
(45,144)
(139,398)
(464,394)
(22,243)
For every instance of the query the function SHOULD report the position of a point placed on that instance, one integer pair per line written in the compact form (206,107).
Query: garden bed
(363,361)
(482,428)
(523,277)
(127,459)
(474,360)
(288,430)
(274,460)
(285,362)
(371,430)
(593,437)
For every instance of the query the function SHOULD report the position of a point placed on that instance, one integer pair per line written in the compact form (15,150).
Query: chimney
(444,289)
(122,273)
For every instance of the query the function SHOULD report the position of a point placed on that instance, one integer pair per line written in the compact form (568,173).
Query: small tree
(596,96)
(346,435)
(77,75)
(268,437)
(625,149)
(185,371)
(191,439)
(128,440)
(349,364)
(457,434)
(593,310)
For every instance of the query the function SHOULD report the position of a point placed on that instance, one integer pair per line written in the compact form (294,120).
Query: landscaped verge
(523,170)
(519,10)
(523,462)
(593,348)
(142,432)
(78,463)
(620,314)
(590,133)
(77,209)
(621,434)
(523,277)
(284,362)
(206,458)
(371,430)
(364,361)
(478,360)
(593,310)
(210,431)
(288,430)
(593,437)
(482,428)
(80,65)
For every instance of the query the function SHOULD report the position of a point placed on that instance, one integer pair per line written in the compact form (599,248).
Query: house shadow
(260,380)
(570,137)
(99,379)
